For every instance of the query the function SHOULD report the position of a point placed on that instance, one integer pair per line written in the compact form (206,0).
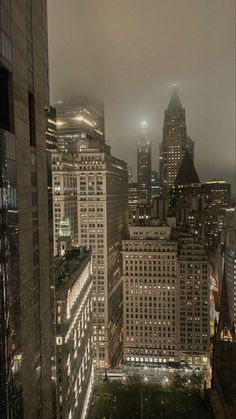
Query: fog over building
(75,121)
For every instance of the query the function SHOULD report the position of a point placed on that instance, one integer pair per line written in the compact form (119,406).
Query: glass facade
(76,122)
(25,339)
(5,32)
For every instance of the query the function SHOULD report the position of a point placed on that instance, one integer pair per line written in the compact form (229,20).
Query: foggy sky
(128,53)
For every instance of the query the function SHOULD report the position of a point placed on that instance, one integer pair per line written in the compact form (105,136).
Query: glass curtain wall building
(25,334)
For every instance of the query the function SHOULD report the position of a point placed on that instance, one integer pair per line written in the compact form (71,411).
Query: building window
(32,127)
(5,113)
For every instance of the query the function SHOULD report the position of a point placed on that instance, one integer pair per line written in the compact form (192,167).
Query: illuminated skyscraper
(166,299)
(90,188)
(64,187)
(144,163)
(76,121)
(175,142)
(25,333)
(218,198)
(74,309)
(102,184)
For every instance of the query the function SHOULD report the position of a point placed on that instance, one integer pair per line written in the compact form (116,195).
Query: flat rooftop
(69,265)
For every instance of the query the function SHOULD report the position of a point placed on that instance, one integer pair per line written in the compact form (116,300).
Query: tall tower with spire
(175,142)
(144,166)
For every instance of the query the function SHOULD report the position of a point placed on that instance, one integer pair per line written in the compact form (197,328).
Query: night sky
(128,53)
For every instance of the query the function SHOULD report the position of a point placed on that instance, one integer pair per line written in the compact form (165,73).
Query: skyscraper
(175,141)
(25,333)
(100,210)
(144,163)
(166,299)
(76,121)
(73,332)
(64,185)
(217,198)
(102,182)
(151,303)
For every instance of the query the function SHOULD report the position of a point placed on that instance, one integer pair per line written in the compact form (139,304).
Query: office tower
(77,121)
(175,142)
(132,199)
(217,199)
(166,299)
(102,185)
(100,210)
(150,287)
(64,183)
(155,189)
(144,162)
(194,279)
(25,330)
(74,308)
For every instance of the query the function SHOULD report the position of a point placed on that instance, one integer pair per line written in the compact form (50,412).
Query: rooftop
(71,263)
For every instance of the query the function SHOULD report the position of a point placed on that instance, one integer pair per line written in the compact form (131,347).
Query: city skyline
(135,83)
(117,297)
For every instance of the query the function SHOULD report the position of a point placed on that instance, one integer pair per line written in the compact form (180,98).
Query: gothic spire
(187,173)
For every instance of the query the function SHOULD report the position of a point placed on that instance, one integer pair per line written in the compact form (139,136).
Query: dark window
(32,128)
(33,178)
(4,102)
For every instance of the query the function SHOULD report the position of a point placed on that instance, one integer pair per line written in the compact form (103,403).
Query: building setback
(25,330)
(74,354)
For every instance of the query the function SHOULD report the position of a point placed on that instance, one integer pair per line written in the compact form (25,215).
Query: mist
(128,53)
